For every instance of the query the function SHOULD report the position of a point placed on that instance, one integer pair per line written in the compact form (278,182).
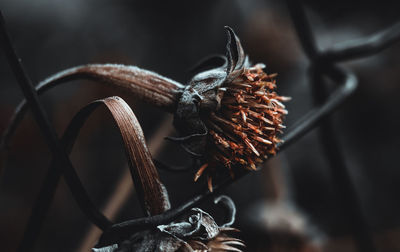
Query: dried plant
(228,115)
(196,231)
(231,110)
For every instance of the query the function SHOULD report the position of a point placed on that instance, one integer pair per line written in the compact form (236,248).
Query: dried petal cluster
(244,130)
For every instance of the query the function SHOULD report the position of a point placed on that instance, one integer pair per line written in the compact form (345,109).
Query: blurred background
(291,204)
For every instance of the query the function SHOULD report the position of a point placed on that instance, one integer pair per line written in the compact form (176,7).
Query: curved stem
(143,84)
(362,47)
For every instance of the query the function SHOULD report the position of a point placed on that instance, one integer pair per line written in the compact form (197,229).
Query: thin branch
(323,62)
(343,183)
(362,47)
(303,28)
(46,128)
(40,208)
(312,118)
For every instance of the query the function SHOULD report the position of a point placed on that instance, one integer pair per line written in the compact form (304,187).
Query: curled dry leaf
(151,191)
(144,174)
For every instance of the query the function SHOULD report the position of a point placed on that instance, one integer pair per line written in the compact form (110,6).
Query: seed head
(231,114)
(243,131)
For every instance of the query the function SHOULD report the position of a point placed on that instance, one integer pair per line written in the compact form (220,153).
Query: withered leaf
(151,192)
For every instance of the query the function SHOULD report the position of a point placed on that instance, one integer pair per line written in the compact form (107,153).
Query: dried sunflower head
(231,114)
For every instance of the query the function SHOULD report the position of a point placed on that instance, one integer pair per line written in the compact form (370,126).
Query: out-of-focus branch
(303,28)
(46,128)
(363,47)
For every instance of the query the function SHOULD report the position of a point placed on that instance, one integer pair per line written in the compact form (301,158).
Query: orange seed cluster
(244,129)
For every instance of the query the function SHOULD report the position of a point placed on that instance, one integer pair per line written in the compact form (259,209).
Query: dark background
(168,37)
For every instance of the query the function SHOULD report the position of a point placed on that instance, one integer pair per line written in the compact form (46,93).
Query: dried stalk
(148,86)
(143,84)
